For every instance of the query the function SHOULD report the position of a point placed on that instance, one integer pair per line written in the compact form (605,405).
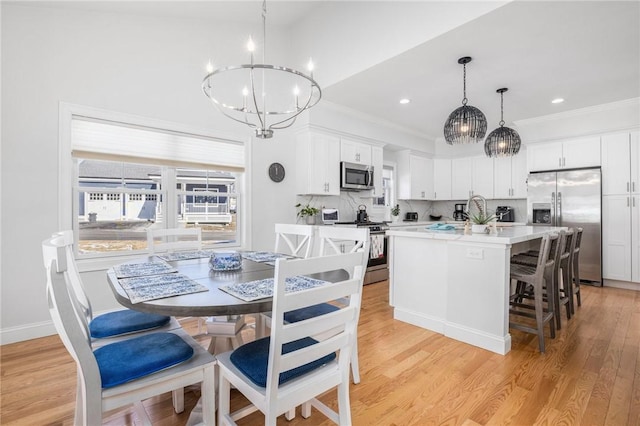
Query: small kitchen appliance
(459,213)
(330,216)
(505,214)
(355,177)
(362,215)
(411,217)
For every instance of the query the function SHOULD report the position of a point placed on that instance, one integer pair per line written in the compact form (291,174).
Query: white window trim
(67,173)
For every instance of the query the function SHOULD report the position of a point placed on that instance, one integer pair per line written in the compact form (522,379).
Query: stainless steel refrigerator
(571,198)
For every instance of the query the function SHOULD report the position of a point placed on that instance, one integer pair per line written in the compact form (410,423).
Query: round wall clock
(276,172)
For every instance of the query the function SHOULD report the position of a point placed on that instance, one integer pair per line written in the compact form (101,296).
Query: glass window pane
(111,216)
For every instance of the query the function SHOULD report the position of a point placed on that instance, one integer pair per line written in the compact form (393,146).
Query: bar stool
(566,268)
(552,279)
(575,265)
(530,280)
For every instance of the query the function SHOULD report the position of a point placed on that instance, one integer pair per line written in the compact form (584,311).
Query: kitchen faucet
(484,204)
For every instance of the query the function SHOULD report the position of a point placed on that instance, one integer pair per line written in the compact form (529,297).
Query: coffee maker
(505,214)
(459,213)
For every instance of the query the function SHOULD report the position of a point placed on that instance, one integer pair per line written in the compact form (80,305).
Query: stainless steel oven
(378,265)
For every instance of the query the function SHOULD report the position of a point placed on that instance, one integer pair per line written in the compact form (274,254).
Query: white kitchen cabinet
(621,207)
(471,176)
(616,237)
(569,154)
(355,152)
(415,177)
(441,179)
(318,163)
(510,177)
(461,178)
(620,163)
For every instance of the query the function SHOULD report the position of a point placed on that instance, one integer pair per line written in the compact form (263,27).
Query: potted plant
(480,221)
(308,212)
(395,212)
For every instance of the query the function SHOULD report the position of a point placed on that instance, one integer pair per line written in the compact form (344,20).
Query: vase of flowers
(308,212)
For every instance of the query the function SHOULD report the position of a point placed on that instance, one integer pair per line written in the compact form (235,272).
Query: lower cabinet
(621,237)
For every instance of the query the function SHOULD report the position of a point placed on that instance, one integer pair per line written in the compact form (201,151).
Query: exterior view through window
(116,202)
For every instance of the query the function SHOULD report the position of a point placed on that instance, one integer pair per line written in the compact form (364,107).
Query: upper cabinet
(318,163)
(620,164)
(510,177)
(355,152)
(441,179)
(569,154)
(415,177)
(471,176)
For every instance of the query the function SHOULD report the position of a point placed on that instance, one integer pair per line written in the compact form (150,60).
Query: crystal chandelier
(467,124)
(503,141)
(241,92)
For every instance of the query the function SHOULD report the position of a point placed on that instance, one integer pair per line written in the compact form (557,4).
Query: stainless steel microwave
(355,176)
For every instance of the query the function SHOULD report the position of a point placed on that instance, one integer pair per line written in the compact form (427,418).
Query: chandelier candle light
(503,141)
(467,124)
(240,91)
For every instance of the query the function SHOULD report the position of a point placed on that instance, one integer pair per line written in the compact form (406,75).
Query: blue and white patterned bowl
(225,261)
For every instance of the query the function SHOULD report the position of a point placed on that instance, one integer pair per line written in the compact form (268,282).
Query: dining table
(213,301)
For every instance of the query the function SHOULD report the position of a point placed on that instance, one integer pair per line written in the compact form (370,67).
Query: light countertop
(504,235)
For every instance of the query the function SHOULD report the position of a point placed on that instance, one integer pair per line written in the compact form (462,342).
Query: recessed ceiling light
(404,101)
(557,101)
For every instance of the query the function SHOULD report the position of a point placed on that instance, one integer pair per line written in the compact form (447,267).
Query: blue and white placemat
(263,256)
(185,255)
(155,267)
(262,289)
(143,293)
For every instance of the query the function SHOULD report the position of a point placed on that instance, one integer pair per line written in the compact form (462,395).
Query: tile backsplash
(348,202)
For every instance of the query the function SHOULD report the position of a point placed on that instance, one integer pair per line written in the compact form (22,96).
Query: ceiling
(585,52)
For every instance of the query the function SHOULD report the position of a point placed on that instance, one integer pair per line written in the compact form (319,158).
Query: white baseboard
(621,284)
(494,343)
(26,332)
(419,319)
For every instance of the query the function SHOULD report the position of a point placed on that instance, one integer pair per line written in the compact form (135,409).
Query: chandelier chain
(464,84)
(501,109)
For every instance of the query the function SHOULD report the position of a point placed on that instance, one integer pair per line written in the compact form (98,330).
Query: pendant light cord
(501,109)
(464,84)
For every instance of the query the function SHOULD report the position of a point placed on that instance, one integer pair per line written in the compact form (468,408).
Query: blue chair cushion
(252,358)
(127,360)
(309,312)
(124,322)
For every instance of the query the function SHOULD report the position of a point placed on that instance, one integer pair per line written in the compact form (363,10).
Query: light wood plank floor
(590,375)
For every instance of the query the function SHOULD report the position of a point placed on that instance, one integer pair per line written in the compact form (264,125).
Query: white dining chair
(296,240)
(289,368)
(111,326)
(332,241)
(128,371)
(173,239)
(292,239)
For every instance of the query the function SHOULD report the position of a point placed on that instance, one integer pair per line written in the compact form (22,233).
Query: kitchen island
(457,283)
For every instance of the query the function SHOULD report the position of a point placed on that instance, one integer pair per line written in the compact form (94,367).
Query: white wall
(151,67)
(146,66)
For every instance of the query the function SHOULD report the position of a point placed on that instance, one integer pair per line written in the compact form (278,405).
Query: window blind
(102,140)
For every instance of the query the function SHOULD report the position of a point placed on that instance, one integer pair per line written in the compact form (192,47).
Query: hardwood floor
(590,375)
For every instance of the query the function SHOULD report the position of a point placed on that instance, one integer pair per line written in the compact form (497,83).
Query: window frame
(68,174)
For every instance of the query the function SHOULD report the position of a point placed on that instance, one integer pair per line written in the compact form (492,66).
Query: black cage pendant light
(503,141)
(466,124)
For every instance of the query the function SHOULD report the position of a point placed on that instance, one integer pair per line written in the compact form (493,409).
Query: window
(387,198)
(128,177)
